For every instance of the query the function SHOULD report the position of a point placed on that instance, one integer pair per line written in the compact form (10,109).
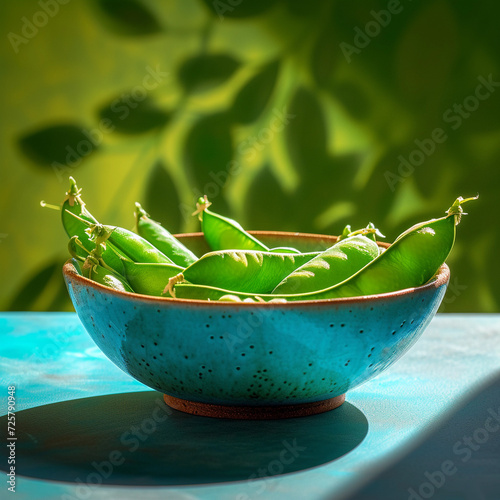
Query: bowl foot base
(253,412)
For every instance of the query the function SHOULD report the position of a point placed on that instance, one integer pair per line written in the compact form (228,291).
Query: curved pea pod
(242,270)
(411,261)
(149,279)
(162,239)
(222,233)
(332,266)
(96,272)
(128,243)
(76,218)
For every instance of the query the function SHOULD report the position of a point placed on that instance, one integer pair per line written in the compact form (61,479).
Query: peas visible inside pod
(242,270)
(332,266)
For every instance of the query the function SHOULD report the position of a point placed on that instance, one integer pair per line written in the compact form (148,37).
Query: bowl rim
(441,277)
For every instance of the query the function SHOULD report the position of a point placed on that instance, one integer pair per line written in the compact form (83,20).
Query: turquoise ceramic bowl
(252,360)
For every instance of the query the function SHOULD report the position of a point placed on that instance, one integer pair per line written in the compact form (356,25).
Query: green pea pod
(95,268)
(149,279)
(94,258)
(128,243)
(223,233)
(411,261)
(105,277)
(242,270)
(332,266)
(122,243)
(158,236)
(73,205)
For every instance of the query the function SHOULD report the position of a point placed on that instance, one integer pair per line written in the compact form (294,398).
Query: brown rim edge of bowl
(440,278)
(281,234)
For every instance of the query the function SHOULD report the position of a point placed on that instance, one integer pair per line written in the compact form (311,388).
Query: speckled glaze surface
(251,354)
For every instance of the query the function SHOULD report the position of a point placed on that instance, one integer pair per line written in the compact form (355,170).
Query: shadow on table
(136,439)
(458,459)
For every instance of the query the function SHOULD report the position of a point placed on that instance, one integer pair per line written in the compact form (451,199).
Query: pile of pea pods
(239,267)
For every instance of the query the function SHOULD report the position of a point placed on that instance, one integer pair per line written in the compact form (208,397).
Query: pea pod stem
(74,197)
(170,287)
(43,204)
(74,193)
(98,236)
(457,210)
(365,231)
(201,206)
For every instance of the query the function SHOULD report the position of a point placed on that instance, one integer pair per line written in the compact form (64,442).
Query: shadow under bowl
(254,360)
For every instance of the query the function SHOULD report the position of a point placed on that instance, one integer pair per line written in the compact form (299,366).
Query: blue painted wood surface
(80,421)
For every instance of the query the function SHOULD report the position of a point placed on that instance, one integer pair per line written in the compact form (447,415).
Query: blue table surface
(429,426)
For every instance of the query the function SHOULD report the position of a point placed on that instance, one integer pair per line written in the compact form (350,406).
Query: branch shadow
(135,439)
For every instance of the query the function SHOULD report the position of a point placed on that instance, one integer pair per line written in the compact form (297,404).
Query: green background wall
(290,115)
